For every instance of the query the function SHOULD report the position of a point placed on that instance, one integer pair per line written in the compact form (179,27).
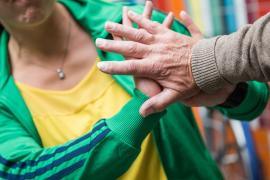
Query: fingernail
(102,66)
(125,8)
(148,112)
(131,14)
(183,13)
(148,2)
(100,42)
(109,25)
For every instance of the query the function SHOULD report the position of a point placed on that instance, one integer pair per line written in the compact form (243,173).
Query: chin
(31,16)
(33,12)
(25,13)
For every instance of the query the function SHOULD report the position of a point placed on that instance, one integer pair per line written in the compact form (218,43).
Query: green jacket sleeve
(253,104)
(106,152)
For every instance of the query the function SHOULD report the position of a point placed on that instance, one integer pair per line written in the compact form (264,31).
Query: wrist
(237,96)
(204,67)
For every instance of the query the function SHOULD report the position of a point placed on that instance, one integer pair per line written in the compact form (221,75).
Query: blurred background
(241,149)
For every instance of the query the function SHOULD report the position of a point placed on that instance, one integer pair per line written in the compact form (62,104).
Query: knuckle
(159,70)
(164,72)
(148,50)
(131,68)
(139,36)
(148,37)
(154,68)
(151,38)
(132,48)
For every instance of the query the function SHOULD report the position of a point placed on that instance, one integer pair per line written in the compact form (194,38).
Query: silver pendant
(61,73)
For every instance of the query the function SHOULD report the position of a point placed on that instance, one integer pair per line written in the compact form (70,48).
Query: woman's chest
(60,71)
(60,116)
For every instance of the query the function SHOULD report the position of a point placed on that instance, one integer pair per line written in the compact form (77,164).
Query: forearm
(105,152)
(234,58)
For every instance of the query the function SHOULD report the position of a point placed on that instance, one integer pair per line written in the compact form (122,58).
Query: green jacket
(109,149)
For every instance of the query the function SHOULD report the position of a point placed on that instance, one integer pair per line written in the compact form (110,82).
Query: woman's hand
(209,100)
(157,53)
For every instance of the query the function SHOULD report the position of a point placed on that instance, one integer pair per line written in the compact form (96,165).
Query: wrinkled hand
(157,53)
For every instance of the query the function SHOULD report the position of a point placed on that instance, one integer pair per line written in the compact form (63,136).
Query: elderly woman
(62,118)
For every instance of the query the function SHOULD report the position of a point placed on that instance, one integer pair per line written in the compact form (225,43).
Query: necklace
(60,70)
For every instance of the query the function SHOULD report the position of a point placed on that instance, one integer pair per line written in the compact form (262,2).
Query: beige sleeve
(230,59)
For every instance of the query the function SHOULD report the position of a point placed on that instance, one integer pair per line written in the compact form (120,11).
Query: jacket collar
(94,24)
(10,96)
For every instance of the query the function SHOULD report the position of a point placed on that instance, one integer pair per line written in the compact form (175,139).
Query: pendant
(61,73)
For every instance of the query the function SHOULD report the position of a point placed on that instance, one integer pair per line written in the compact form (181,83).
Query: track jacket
(108,150)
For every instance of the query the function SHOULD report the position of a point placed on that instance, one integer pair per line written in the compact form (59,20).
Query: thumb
(159,102)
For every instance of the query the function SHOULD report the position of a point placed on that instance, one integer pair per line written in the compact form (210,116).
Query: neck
(43,40)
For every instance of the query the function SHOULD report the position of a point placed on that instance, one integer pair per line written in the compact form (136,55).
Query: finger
(126,20)
(130,33)
(126,48)
(188,22)
(150,26)
(131,67)
(116,38)
(168,20)
(159,102)
(148,9)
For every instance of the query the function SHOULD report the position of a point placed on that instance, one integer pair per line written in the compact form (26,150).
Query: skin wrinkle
(168,62)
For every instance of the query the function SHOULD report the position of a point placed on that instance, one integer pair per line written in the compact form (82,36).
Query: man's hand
(157,53)
(147,86)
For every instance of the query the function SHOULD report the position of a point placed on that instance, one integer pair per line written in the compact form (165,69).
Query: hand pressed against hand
(148,86)
(157,53)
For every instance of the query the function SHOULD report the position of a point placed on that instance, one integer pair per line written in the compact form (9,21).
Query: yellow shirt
(61,116)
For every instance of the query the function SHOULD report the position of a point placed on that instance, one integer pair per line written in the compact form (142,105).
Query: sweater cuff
(130,125)
(204,66)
